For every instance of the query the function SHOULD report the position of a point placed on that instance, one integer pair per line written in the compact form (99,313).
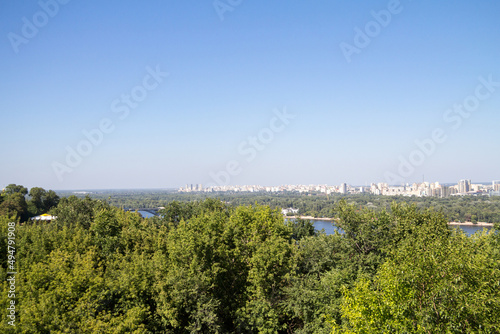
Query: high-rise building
(343,188)
(496,185)
(463,186)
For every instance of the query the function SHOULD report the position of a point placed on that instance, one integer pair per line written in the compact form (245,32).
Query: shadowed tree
(41,201)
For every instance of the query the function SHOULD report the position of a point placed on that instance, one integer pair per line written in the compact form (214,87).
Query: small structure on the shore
(289,210)
(45,216)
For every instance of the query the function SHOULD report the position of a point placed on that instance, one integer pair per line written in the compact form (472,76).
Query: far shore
(471,224)
(309,217)
(449,223)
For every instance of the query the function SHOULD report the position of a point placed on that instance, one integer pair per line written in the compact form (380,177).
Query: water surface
(330,228)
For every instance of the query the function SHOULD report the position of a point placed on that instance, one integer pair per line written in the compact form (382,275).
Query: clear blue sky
(353,120)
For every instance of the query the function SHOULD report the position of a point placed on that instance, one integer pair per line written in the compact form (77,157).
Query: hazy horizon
(264,185)
(159,94)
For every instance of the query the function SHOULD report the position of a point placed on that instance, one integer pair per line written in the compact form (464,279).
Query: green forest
(235,265)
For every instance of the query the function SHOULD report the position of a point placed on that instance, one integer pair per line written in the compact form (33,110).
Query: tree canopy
(17,203)
(212,267)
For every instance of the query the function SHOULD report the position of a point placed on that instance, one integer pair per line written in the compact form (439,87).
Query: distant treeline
(457,208)
(207,266)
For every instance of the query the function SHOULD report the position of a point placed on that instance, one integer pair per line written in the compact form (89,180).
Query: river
(146,214)
(330,228)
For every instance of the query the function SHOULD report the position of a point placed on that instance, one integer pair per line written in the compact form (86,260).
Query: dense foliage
(212,267)
(452,285)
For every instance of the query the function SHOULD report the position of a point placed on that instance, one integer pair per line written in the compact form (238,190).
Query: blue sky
(354,121)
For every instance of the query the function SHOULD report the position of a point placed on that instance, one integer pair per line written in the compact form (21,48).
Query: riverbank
(450,223)
(309,218)
(471,224)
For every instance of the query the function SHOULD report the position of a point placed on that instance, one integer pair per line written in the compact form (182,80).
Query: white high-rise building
(463,186)
(496,185)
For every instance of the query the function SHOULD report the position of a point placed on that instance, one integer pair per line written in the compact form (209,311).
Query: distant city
(423,189)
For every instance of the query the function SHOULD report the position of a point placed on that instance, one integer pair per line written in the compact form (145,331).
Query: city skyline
(424,188)
(122,95)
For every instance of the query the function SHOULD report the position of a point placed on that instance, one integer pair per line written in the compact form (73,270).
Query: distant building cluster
(192,188)
(435,189)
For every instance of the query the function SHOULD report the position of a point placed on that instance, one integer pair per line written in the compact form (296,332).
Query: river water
(146,214)
(330,228)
